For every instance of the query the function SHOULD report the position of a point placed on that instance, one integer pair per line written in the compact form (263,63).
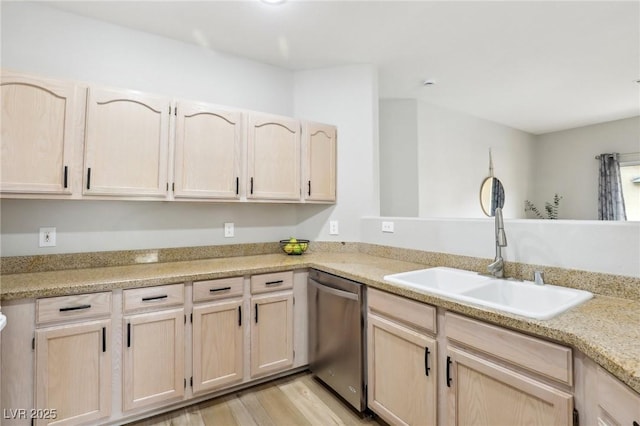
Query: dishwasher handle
(334,291)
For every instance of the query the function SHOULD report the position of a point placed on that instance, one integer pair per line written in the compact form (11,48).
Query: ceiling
(538,66)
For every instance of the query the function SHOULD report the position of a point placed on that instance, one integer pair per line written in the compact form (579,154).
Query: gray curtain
(610,199)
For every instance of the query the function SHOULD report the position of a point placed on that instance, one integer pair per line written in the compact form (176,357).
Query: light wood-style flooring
(295,400)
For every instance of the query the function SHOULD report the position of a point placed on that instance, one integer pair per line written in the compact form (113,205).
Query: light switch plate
(387,226)
(47,237)
(228,230)
(333,227)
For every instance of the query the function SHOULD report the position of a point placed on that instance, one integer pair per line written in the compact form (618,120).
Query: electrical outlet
(228,230)
(387,226)
(333,227)
(47,237)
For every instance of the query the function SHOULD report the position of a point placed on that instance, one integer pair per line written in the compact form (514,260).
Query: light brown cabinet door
(207,152)
(402,373)
(153,358)
(73,373)
(126,143)
(218,355)
(617,404)
(271,333)
(483,393)
(38,133)
(273,158)
(320,146)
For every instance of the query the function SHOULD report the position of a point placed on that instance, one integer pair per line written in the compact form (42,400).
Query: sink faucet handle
(538,277)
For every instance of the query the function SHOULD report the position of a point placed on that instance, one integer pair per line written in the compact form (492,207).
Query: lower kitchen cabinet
(218,333)
(73,373)
(402,353)
(402,386)
(481,392)
(153,358)
(496,376)
(271,333)
(272,323)
(616,404)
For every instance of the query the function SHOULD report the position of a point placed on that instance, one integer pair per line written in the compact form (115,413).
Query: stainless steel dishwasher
(337,335)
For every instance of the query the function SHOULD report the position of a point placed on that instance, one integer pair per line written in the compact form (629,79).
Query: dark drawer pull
(75,308)
(448,371)
(104,339)
(426,362)
(274,282)
(128,334)
(239,316)
(256,313)
(213,290)
(154,298)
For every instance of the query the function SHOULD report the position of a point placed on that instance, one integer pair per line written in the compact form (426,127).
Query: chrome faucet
(497,267)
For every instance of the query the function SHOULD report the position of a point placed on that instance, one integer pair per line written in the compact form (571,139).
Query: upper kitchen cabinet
(39,119)
(207,152)
(273,158)
(319,156)
(126,144)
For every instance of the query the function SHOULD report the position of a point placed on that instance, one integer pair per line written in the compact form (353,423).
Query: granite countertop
(606,329)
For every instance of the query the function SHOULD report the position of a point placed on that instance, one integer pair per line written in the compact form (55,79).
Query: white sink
(518,297)
(440,280)
(3,321)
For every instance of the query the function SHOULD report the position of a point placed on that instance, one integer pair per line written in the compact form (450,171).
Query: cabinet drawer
(530,353)
(136,299)
(410,312)
(271,282)
(217,289)
(69,308)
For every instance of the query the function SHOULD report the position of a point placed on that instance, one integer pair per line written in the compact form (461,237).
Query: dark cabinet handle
(251,186)
(426,362)
(448,371)
(237,185)
(66,169)
(154,298)
(274,282)
(213,290)
(635,423)
(256,313)
(75,308)
(89,178)
(128,334)
(239,316)
(309,188)
(104,339)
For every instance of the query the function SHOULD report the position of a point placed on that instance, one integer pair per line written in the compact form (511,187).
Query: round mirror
(491,195)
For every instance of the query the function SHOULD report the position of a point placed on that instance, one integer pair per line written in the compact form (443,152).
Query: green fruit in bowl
(289,248)
(297,249)
(304,246)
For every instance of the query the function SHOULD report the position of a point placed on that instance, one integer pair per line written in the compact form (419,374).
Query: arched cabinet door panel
(273,158)
(39,120)
(207,152)
(126,143)
(320,145)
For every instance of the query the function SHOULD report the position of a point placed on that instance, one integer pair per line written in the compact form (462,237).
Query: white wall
(565,164)
(595,246)
(347,97)
(399,157)
(53,43)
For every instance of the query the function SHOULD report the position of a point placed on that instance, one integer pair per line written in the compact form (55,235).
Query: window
(630,176)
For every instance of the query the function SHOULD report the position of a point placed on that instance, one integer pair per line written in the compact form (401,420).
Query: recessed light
(429,82)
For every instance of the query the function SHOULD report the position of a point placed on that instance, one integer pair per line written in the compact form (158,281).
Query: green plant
(551,209)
